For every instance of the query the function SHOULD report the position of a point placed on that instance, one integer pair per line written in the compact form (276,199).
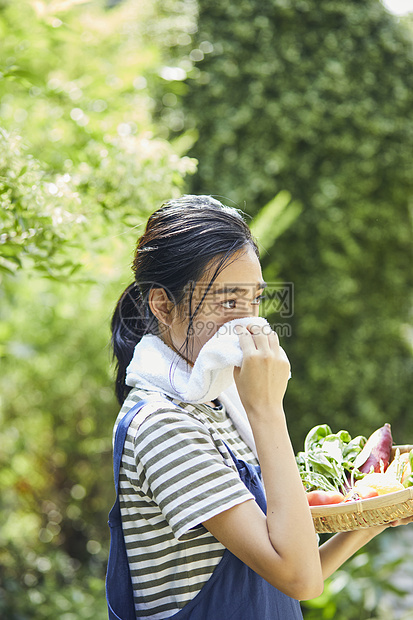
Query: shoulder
(161,417)
(172,428)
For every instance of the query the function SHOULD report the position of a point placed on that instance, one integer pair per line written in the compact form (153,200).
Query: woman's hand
(404,521)
(262,379)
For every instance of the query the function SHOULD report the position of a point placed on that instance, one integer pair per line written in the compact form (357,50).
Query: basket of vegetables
(355,483)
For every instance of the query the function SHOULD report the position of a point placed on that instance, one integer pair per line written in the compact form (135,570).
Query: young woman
(202,540)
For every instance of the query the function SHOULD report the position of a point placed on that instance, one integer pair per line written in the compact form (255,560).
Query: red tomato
(322,498)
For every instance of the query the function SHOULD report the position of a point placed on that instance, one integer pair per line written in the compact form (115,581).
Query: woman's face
(235,293)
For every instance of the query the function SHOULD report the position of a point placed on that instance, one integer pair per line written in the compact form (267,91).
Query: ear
(160,305)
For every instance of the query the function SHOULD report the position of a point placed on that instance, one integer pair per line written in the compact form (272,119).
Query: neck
(166,339)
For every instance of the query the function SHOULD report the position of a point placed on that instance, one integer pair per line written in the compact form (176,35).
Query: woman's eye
(258,300)
(229,304)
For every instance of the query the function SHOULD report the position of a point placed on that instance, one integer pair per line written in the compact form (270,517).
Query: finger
(246,339)
(405,521)
(274,341)
(260,335)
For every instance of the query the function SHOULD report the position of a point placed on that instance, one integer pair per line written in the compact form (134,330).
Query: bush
(316,99)
(81,166)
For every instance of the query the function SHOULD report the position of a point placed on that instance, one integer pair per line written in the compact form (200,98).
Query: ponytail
(130,321)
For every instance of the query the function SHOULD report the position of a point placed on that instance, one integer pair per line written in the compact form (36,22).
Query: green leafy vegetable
(327,461)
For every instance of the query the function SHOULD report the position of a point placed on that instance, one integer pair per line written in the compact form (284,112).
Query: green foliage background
(297,112)
(81,167)
(316,98)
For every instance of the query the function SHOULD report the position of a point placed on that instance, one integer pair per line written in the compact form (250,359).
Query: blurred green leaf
(82,165)
(273,219)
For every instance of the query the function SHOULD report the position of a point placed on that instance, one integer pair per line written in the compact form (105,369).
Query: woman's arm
(342,546)
(282,545)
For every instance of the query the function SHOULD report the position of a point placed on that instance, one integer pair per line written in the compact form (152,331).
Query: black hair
(182,239)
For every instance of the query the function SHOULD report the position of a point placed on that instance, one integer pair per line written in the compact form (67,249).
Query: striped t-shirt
(176,472)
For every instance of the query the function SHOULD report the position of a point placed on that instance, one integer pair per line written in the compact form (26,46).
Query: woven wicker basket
(367,512)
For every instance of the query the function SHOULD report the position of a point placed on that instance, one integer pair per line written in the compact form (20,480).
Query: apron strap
(122,431)
(120,436)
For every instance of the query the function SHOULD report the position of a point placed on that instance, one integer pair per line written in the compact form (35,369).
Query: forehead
(243,271)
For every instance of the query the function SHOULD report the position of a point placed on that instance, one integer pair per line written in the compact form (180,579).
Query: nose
(255,309)
(248,309)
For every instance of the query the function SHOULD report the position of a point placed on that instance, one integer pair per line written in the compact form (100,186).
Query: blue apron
(233,590)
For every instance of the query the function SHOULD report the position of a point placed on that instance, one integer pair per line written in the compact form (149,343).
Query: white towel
(156,367)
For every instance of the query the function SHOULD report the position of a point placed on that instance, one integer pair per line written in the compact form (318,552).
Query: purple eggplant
(375,456)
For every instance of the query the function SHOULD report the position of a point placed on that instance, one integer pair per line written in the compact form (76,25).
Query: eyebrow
(237,289)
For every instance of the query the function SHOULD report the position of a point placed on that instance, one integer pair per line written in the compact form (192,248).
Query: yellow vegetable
(383,483)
